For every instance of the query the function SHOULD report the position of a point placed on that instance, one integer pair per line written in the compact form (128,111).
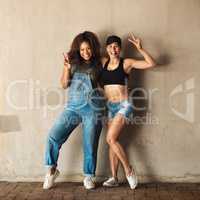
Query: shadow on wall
(132,132)
(9,123)
(131,135)
(164,58)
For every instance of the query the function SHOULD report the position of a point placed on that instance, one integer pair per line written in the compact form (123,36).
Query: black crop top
(116,76)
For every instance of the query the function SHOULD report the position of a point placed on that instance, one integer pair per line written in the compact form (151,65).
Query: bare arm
(65,77)
(139,64)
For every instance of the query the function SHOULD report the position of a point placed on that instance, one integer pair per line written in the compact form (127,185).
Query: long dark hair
(92,40)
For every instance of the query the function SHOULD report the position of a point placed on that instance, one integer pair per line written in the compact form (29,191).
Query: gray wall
(163,147)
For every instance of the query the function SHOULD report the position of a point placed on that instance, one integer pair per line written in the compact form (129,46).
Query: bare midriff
(116,93)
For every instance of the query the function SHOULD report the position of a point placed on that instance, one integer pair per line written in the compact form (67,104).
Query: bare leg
(114,130)
(51,170)
(114,161)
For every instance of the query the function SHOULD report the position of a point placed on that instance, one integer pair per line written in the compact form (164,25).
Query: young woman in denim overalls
(113,78)
(81,72)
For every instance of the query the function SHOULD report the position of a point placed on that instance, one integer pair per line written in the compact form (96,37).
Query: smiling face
(85,51)
(113,50)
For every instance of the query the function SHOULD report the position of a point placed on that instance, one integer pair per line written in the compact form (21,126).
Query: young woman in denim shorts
(113,77)
(81,71)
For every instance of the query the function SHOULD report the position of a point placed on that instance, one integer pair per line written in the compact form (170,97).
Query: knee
(110,140)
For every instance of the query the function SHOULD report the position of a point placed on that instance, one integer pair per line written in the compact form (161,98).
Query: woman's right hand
(65,77)
(66,61)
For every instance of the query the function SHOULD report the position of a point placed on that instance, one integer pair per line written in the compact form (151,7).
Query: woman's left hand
(136,41)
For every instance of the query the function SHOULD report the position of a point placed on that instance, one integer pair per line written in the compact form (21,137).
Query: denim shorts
(123,107)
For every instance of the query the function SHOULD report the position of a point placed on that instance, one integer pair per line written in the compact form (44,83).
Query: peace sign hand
(66,61)
(136,41)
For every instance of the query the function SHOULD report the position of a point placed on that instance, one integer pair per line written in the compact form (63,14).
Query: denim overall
(84,105)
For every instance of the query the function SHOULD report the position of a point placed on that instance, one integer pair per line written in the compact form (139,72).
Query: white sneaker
(132,180)
(111,182)
(50,179)
(88,183)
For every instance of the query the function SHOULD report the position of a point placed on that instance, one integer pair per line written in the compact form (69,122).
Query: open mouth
(114,54)
(87,56)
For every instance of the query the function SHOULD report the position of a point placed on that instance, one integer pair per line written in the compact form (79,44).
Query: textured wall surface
(164,141)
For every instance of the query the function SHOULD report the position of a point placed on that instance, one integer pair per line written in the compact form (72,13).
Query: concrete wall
(163,143)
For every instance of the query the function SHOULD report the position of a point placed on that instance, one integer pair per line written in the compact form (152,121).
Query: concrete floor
(75,191)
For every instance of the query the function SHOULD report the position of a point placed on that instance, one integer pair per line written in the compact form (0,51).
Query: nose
(86,52)
(113,49)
